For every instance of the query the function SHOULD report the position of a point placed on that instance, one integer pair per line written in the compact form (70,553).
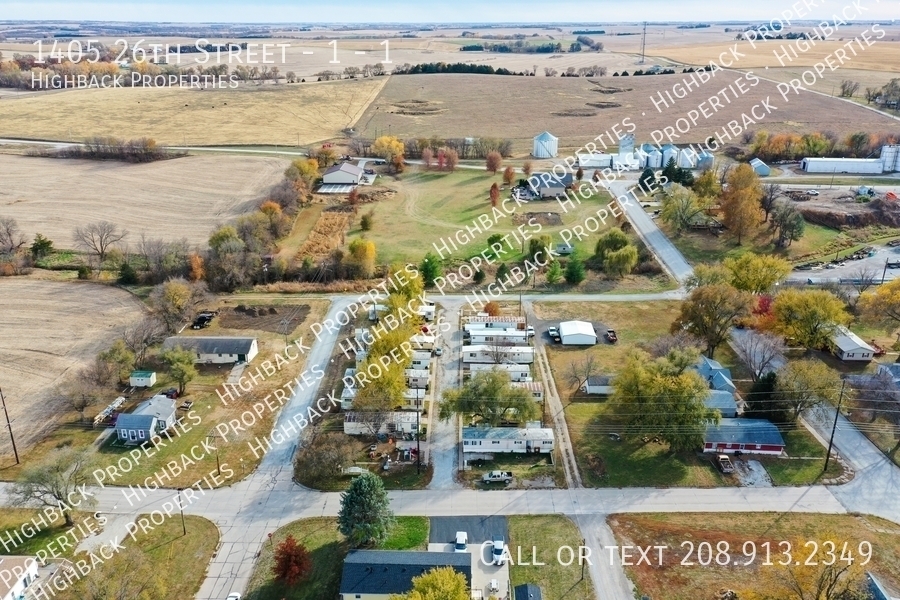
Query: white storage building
(490,354)
(546,145)
(855,166)
(516,372)
(507,439)
(343,173)
(142,379)
(594,160)
(761,168)
(850,347)
(577,333)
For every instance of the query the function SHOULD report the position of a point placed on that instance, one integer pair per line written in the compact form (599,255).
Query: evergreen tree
(127,274)
(554,273)
(431,269)
(365,518)
(574,271)
(647,180)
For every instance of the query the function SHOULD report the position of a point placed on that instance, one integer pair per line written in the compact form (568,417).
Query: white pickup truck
(501,476)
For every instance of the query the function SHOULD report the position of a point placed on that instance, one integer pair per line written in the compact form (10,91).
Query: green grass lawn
(183,558)
(547,533)
(630,462)
(538,470)
(805,462)
(11,521)
(327,548)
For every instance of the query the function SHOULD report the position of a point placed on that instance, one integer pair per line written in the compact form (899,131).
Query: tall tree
(789,223)
(98,238)
(494,193)
(579,371)
(680,207)
(710,311)
(427,158)
(141,335)
(611,241)
(365,517)
(451,158)
(647,180)
(490,396)
(11,237)
(803,384)
(759,351)
(440,583)
(175,301)
(539,248)
(620,262)
(554,273)
(120,358)
(323,456)
(387,147)
(808,316)
(362,258)
(57,481)
(431,268)
(574,273)
(492,308)
(756,273)
(707,186)
(657,397)
(881,306)
(493,161)
(771,193)
(292,563)
(705,274)
(740,201)
(509,175)
(181,366)
(527,168)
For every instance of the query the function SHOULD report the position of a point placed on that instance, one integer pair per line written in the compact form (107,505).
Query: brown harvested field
(263,115)
(327,234)
(469,106)
(50,331)
(172,199)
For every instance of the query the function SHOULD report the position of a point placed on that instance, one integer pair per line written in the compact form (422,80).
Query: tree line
(793,146)
(139,150)
(442,67)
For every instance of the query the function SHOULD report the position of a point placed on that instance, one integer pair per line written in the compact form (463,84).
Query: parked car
(553,332)
(233,596)
(438,351)
(530,330)
(499,476)
(369,171)
(462,540)
(724,463)
(169,393)
(812,192)
(611,336)
(494,586)
(380,162)
(497,551)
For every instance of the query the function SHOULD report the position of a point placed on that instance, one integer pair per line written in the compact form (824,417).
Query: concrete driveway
(480,529)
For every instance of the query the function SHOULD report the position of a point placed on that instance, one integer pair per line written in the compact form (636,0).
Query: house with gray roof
(723,401)
(377,574)
(848,346)
(598,384)
(717,376)
(215,350)
(752,436)
(528,591)
(151,418)
(507,439)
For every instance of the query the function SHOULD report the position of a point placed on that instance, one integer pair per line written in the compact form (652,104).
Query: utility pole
(834,425)
(884,272)
(418,438)
(212,436)
(181,508)
(644,43)
(9,426)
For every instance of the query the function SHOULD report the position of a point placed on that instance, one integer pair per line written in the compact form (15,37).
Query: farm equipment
(797,195)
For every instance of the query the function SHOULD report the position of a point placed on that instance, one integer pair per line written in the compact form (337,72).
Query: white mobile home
(502,326)
(215,350)
(516,372)
(349,391)
(506,337)
(535,388)
(417,378)
(394,422)
(422,341)
(413,399)
(507,439)
(498,321)
(426,311)
(489,354)
(420,360)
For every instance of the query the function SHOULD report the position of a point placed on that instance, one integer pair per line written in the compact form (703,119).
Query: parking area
(840,267)
(479,529)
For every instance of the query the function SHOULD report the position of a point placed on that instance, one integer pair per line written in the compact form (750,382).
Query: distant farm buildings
(761,168)
(546,145)
(888,162)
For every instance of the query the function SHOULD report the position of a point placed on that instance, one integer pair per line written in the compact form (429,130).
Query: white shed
(546,145)
(850,347)
(842,165)
(343,173)
(142,379)
(577,333)
(594,160)
(761,168)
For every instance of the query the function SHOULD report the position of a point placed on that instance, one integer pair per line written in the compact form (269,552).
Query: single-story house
(516,372)
(849,346)
(528,591)
(507,439)
(420,360)
(506,337)
(343,173)
(426,311)
(416,378)
(150,418)
(577,333)
(487,354)
(215,350)
(717,376)
(549,185)
(892,370)
(142,379)
(598,384)
(404,422)
(535,388)
(753,436)
(501,327)
(761,168)
(18,572)
(507,321)
(723,401)
(378,574)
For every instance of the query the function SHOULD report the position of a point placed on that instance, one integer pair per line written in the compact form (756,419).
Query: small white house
(343,173)
(394,422)
(413,399)
(535,388)
(16,574)
(598,384)
(420,360)
(577,333)
(507,439)
(417,378)
(850,347)
(152,417)
(215,350)
(506,337)
(490,354)
(142,379)
(516,372)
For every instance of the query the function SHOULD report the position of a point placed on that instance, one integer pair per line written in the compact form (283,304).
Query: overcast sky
(425,11)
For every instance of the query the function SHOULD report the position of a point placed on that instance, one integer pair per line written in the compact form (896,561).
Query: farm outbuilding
(343,173)
(857,166)
(546,145)
(890,158)
(598,384)
(507,439)
(848,346)
(215,350)
(761,168)
(594,160)
(577,333)
(754,436)
(687,158)
(705,160)
(669,152)
(142,379)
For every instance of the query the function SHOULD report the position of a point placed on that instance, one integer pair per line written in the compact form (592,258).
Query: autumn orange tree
(494,194)
(740,201)
(527,168)
(292,562)
(509,175)
(492,309)
(493,161)
(451,158)
(427,157)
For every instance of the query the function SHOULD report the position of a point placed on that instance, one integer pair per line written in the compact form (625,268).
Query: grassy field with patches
(291,115)
(674,581)
(547,533)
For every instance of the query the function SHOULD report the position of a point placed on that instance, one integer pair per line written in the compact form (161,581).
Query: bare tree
(142,335)
(759,351)
(771,193)
(154,251)
(98,238)
(580,371)
(681,340)
(878,396)
(98,373)
(861,279)
(79,395)
(724,170)
(57,481)
(498,352)
(11,237)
